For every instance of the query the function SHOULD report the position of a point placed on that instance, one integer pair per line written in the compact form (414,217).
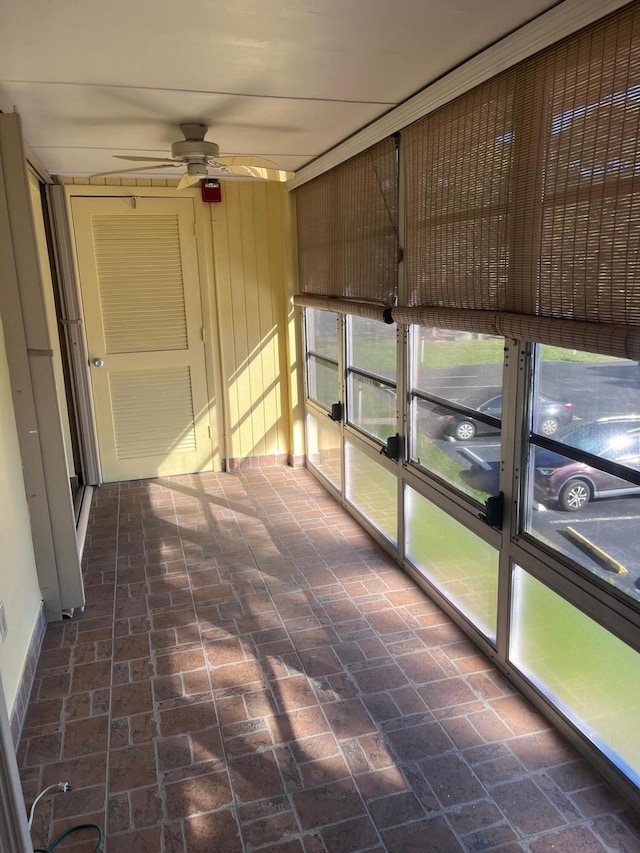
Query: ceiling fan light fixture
(197,169)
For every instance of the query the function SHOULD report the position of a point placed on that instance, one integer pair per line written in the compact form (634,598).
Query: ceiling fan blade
(135,159)
(133,169)
(187,181)
(260,172)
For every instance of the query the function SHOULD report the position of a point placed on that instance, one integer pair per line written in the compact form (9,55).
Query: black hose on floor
(69,831)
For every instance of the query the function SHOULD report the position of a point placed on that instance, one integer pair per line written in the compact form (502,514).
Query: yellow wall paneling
(245,254)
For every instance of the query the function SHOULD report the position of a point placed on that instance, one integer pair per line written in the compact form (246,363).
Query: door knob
(98,362)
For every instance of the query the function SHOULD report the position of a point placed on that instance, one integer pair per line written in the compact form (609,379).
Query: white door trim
(73,325)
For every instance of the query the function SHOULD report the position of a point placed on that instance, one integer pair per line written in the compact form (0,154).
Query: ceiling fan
(202,159)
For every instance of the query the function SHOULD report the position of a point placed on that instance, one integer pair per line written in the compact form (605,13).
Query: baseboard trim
(26,680)
(269,461)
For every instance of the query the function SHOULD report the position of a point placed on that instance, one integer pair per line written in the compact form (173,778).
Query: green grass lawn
(490,351)
(434,459)
(378,354)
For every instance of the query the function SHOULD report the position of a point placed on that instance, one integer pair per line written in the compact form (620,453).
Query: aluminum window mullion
(404,410)
(515,385)
(341,322)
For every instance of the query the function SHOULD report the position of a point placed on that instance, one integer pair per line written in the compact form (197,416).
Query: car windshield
(601,439)
(623,447)
(492,406)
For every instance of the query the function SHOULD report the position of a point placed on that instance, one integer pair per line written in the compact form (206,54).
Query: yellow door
(141,292)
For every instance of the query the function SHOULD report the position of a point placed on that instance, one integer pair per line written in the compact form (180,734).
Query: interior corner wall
(252,236)
(19,589)
(294,354)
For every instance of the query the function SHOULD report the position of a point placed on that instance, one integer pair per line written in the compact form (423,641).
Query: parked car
(570,484)
(441,422)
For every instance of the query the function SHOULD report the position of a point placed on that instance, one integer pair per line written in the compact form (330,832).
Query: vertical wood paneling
(248,369)
(241,433)
(248,246)
(274,217)
(262,321)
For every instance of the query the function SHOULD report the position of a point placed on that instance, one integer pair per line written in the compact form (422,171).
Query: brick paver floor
(252,672)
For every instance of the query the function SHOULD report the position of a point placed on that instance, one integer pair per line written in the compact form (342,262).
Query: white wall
(18,579)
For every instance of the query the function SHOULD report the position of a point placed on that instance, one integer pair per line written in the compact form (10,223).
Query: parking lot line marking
(590,520)
(600,554)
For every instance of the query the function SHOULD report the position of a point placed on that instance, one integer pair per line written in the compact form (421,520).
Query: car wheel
(574,495)
(464,431)
(548,426)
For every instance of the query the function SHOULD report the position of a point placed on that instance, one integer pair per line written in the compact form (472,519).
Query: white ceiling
(283,79)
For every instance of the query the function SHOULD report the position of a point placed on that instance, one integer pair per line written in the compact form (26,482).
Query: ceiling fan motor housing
(194,149)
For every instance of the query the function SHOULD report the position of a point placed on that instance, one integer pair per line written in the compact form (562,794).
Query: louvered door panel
(139,268)
(141,291)
(136,393)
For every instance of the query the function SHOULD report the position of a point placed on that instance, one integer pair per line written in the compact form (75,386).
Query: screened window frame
(414,393)
(320,357)
(351,370)
(564,563)
(317,358)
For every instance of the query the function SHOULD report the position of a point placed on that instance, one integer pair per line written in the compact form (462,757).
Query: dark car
(442,422)
(571,484)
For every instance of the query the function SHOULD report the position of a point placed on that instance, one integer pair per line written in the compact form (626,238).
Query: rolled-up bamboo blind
(523,195)
(348,229)
(577,193)
(343,306)
(481,322)
(608,338)
(457,165)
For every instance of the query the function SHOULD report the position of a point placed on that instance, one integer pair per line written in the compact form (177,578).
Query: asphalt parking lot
(611,525)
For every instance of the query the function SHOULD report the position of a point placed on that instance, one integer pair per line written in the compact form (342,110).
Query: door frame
(130,188)
(73,330)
